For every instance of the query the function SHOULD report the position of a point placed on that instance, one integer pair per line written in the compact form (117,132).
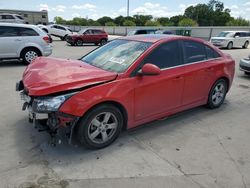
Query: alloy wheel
(102,127)
(30,55)
(218,93)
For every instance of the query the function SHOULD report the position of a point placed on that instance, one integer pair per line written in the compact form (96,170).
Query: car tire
(29,54)
(100,127)
(246,45)
(217,94)
(230,45)
(247,73)
(103,42)
(79,42)
(63,38)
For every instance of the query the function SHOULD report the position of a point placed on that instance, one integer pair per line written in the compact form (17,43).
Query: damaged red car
(125,83)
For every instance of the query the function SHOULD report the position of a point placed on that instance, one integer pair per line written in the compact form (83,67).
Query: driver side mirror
(236,36)
(149,70)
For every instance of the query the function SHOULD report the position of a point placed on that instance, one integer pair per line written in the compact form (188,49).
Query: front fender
(119,91)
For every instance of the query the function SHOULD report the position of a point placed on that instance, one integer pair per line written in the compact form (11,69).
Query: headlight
(49,104)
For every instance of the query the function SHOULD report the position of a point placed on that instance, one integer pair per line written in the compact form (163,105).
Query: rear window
(7,17)
(27,32)
(194,52)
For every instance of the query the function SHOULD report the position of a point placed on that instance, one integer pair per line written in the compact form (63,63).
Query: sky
(95,9)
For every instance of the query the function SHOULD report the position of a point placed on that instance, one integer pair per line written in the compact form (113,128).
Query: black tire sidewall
(84,123)
(246,44)
(103,42)
(77,41)
(28,50)
(230,45)
(210,103)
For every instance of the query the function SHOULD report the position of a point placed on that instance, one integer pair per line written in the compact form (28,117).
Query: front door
(155,95)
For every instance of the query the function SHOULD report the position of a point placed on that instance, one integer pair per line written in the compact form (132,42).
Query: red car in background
(125,83)
(96,36)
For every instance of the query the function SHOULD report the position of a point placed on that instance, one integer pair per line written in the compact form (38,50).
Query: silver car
(245,65)
(11,18)
(230,39)
(22,41)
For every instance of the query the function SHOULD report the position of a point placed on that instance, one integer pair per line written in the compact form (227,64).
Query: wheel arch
(30,47)
(116,104)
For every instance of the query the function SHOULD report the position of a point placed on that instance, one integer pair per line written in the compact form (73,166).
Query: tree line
(211,14)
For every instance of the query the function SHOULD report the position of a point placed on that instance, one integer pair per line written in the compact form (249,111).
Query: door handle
(18,40)
(209,69)
(178,78)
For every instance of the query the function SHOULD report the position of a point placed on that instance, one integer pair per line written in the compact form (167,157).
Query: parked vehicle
(96,36)
(125,83)
(245,65)
(11,18)
(58,31)
(165,32)
(142,32)
(230,39)
(45,29)
(22,41)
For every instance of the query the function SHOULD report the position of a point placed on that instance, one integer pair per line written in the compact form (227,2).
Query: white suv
(57,30)
(11,18)
(22,41)
(230,39)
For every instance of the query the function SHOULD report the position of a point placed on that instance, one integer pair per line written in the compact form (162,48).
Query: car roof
(153,38)
(18,25)
(236,31)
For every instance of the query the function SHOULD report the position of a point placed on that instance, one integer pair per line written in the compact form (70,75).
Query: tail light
(46,39)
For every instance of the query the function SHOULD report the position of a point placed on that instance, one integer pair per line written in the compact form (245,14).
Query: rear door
(199,72)
(10,41)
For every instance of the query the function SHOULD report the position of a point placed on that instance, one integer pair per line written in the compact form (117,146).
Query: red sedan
(126,83)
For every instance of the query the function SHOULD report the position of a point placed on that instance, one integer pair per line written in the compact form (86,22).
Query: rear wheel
(29,54)
(217,94)
(100,127)
(103,42)
(230,45)
(246,44)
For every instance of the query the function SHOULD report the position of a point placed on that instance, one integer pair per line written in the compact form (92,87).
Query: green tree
(128,23)
(152,23)
(176,19)
(93,23)
(188,22)
(238,22)
(59,20)
(165,21)
(140,20)
(104,20)
(110,24)
(119,20)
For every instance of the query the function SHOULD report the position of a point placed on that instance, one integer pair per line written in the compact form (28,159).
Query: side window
(242,34)
(166,55)
(211,54)
(9,17)
(54,26)
(61,28)
(194,52)
(141,32)
(151,32)
(8,31)
(88,32)
(237,34)
(97,32)
(28,32)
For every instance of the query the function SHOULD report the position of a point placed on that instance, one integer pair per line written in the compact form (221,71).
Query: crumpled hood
(50,75)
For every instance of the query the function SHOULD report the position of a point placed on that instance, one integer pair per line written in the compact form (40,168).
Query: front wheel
(79,42)
(217,94)
(100,127)
(230,45)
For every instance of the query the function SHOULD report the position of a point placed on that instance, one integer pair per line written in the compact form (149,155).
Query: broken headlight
(49,104)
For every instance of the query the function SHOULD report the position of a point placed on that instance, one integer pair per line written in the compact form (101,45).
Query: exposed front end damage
(48,118)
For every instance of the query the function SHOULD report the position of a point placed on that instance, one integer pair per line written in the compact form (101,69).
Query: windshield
(226,34)
(81,31)
(117,55)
